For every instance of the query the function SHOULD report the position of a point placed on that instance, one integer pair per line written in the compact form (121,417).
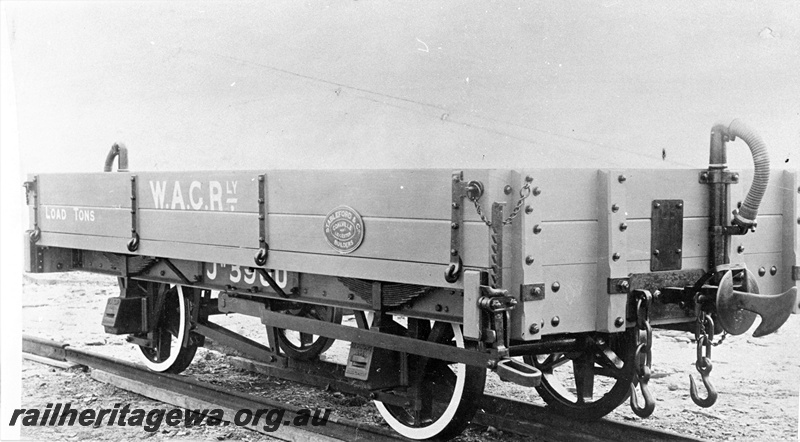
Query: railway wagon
(552,278)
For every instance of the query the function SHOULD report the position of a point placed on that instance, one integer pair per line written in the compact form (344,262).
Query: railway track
(506,414)
(188,393)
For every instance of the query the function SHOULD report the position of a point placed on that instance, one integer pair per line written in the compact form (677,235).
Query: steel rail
(502,413)
(336,428)
(505,414)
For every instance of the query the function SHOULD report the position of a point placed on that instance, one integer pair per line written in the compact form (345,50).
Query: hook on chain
(712,392)
(703,366)
(649,400)
(643,356)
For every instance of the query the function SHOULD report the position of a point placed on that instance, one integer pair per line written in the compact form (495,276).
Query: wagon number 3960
(236,274)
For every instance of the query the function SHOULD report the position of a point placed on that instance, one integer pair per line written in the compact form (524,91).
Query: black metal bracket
(616,286)
(274,285)
(718,176)
(795,273)
(133,244)
(177,272)
(731,230)
(263,248)
(666,235)
(460,190)
(496,258)
(495,305)
(32,187)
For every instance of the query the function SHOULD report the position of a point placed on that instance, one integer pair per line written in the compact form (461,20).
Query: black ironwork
(133,243)
(460,190)
(263,248)
(394,294)
(32,188)
(352,334)
(704,334)
(496,258)
(524,193)
(666,235)
(177,272)
(273,285)
(644,355)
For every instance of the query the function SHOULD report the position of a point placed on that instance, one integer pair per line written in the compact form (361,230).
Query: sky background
(381,84)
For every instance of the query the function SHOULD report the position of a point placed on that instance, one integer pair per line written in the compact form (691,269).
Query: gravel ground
(757,379)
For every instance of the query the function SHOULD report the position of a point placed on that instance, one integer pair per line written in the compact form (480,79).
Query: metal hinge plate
(666,235)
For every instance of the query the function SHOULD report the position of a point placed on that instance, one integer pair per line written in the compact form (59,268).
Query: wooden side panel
(199,191)
(569,242)
(411,194)
(565,194)
(384,238)
(212,228)
(85,189)
(648,185)
(365,268)
(85,220)
(766,239)
(695,238)
(651,184)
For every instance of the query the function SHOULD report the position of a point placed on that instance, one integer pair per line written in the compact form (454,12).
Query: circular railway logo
(344,229)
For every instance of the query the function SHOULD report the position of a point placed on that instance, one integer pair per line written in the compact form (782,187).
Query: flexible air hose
(746,216)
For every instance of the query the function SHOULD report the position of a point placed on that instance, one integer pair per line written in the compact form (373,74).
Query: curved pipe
(746,216)
(117,150)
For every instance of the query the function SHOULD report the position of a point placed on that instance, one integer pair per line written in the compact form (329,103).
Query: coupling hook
(704,367)
(649,400)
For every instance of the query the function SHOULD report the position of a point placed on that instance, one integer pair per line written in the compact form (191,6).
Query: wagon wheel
(595,383)
(448,392)
(168,355)
(305,346)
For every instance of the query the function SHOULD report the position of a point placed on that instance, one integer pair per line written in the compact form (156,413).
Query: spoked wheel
(306,346)
(169,356)
(588,385)
(448,392)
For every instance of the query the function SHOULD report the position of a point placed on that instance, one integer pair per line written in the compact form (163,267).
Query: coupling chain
(524,193)
(704,335)
(721,339)
(644,337)
(643,357)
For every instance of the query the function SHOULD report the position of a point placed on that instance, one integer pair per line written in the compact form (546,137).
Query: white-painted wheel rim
(439,424)
(175,346)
